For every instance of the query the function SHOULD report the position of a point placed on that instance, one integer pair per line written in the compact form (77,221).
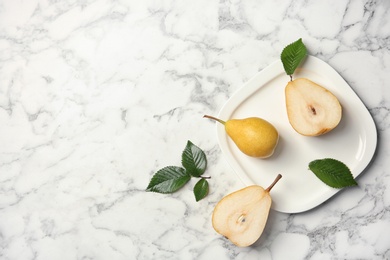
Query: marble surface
(95,96)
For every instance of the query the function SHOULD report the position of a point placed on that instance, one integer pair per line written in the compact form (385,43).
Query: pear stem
(273,184)
(291,78)
(214,118)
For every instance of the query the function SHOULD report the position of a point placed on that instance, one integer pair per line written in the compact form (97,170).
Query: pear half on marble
(242,215)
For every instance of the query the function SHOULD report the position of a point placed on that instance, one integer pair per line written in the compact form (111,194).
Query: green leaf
(292,55)
(333,173)
(194,160)
(201,189)
(168,179)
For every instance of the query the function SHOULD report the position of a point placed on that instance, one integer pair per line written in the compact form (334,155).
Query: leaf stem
(205,177)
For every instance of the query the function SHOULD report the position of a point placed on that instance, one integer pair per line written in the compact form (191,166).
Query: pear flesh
(312,110)
(253,136)
(242,215)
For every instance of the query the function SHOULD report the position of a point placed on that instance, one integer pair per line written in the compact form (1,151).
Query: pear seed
(241,219)
(313,110)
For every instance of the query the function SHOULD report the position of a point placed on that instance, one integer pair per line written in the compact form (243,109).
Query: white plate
(353,141)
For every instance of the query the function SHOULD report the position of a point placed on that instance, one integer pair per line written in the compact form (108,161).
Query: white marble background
(96,95)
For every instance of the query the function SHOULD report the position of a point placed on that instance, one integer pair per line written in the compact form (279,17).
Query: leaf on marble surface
(292,55)
(171,178)
(168,180)
(333,173)
(194,160)
(201,189)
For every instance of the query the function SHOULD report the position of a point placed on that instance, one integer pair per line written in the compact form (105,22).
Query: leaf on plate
(292,55)
(194,160)
(168,179)
(333,173)
(201,189)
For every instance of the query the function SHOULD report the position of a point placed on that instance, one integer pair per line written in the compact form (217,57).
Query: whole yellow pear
(254,136)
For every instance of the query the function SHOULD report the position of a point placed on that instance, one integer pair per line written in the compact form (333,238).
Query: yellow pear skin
(254,136)
(312,110)
(242,215)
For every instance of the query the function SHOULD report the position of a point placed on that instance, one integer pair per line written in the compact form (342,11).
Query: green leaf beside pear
(292,55)
(333,173)
(168,180)
(171,178)
(201,189)
(194,160)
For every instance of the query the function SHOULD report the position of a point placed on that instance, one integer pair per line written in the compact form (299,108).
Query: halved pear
(242,215)
(312,109)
